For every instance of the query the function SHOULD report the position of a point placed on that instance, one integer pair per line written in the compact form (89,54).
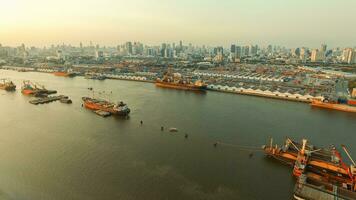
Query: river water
(60,151)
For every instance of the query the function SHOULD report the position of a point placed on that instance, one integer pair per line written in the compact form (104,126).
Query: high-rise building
(317,55)
(128,47)
(303,54)
(351,58)
(238,52)
(323,47)
(99,54)
(60,54)
(246,51)
(233,48)
(269,49)
(218,50)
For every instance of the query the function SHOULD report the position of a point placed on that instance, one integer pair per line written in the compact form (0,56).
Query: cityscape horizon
(177,99)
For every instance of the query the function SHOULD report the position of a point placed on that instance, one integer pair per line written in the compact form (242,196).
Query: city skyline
(291,24)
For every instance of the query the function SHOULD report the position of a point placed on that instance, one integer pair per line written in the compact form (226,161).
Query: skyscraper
(233,48)
(238,52)
(128,47)
(349,56)
(317,55)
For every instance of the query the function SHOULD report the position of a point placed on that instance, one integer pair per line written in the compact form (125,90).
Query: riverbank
(272,95)
(217,88)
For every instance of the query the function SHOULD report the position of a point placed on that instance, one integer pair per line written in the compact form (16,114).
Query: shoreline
(256,94)
(211,88)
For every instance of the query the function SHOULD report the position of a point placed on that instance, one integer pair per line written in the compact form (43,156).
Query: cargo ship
(176,81)
(7,85)
(29,88)
(341,106)
(98,104)
(320,172)
(67,73)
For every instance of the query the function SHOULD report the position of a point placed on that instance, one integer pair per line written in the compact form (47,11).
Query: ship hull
(28,92)
(180,86)
(333,106)
(64,74)
(8,87)
(95,107)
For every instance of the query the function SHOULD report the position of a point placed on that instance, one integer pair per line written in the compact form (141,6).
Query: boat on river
(7,85)
(316,168)
(99,104)
(176,81)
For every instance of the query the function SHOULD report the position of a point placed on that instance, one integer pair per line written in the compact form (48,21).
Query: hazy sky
(110,22)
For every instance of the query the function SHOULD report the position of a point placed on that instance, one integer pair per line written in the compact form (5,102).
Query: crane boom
(348,154)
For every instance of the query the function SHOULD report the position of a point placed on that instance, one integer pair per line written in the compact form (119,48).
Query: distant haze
(289,23)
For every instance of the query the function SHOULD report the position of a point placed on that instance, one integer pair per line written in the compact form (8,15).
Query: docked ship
(344,105)
(176,81)
(321,173)
(7,85)
(29,88)
(67,73)
(98,104)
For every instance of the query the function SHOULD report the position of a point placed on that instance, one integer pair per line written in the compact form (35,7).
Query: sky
(291,23)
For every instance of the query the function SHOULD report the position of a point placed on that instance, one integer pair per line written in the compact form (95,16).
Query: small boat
(173,130)
(7,85)
(65,100)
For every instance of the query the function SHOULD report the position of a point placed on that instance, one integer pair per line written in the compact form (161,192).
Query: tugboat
(176,81)
(98,104)
(7,85)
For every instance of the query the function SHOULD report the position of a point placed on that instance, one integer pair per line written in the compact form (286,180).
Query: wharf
(263,95)
(127,79)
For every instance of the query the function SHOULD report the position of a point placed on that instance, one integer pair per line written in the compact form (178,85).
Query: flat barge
(44,100)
